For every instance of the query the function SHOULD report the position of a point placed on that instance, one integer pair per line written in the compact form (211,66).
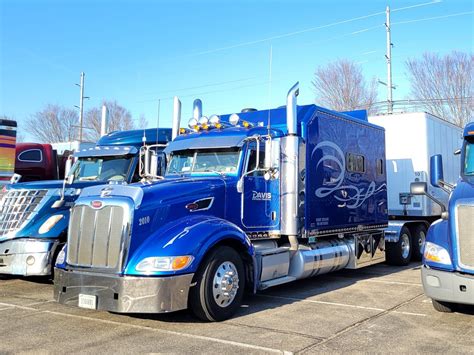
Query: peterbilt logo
(106,192)
(261,196)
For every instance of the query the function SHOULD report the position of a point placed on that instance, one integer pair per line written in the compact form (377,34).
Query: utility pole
(389,63)
(81,106)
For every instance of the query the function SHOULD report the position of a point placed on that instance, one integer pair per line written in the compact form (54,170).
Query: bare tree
(53,124)
(444,85)
(119,119)
(341,86)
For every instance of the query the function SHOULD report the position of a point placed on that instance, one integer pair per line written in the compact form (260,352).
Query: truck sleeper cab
(34,216)
(242,206)
(447,271)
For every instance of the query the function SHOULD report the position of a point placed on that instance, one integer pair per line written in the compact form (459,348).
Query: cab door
(260,197)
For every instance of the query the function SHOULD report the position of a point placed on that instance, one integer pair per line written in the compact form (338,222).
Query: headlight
(50,223)
(61,256)
(164,263)
(437,254)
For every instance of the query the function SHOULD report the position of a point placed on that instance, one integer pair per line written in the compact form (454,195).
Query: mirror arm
(445,186)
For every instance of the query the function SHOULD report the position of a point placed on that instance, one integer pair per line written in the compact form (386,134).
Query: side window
(355,163)
(380,167)
(31,155)
(252,159)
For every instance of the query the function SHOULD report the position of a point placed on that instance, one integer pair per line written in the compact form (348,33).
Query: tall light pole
(81,105)
(389,63)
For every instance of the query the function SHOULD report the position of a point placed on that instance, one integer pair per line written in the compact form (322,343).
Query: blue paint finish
(262,196)
(440,234)
(337,198)
(194,236)
(469,130)
(359,114)
(135,137)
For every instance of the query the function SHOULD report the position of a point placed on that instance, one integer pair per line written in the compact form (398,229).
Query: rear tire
(444,307)
(220,283)
(399,253)
(418,242)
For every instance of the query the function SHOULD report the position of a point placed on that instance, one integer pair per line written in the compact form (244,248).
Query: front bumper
(27,257)
(448,286)
(123,294)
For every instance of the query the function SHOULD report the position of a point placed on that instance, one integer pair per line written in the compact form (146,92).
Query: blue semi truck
(448,261)
(249,201)
(34,216)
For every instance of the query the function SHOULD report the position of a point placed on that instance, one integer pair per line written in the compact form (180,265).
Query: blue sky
(137,52)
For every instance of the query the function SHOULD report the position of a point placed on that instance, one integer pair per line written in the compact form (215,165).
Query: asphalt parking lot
(378,309)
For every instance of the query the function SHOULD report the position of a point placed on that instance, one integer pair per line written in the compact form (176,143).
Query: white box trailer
(411,139)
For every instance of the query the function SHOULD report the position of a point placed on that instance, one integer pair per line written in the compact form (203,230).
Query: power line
(203,86)
(433,18)
(293,33)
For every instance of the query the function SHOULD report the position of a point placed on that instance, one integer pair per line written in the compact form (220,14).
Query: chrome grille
(17,207)
(96,236)
(465,231)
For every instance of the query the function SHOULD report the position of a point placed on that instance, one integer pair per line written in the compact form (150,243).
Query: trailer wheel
(399,253)
(418,241)
(220,284)
(444,307)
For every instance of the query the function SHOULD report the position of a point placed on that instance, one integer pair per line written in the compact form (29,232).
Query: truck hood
(169,190)
(463,190)
(161,205)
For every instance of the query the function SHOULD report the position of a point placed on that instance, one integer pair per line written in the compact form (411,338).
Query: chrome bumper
(26,257)
(123,294)
(448,286)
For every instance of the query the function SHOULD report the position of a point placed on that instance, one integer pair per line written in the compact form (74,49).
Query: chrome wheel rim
(225,284)
(405,245)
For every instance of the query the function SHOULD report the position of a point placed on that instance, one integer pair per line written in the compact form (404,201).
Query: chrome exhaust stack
(176,118)
(289,172)
(104,121)
(197,109)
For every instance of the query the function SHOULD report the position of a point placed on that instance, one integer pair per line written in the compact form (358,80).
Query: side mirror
(418,188)
(69,179)
(421,188)
(240,185)
(153,165)
(436,170)
(268,155)
(68,165)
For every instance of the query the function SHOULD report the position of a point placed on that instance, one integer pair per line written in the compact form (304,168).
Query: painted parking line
(162,331)
(393,282)
(336,304)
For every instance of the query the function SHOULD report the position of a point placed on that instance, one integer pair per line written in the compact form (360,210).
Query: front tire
(220,283)
(444,307)
(399,253)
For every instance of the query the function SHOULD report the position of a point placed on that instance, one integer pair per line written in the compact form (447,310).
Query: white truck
(411,139)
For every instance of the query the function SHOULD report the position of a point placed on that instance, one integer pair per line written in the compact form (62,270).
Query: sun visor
(106,151)
(206,142)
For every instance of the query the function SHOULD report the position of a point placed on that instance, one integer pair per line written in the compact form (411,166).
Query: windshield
(101,168)
(469,158)
(224,161)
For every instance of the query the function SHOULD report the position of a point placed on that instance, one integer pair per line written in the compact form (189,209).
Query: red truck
(37,161)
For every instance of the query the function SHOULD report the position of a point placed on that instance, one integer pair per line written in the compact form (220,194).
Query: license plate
(87,301)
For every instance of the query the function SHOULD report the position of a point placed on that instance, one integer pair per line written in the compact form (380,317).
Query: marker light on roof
(204,122)
(193,124)
(234,119)
(215,121)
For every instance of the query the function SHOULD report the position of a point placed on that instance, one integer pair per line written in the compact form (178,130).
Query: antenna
(389,62)
(158,120)
(270,88)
